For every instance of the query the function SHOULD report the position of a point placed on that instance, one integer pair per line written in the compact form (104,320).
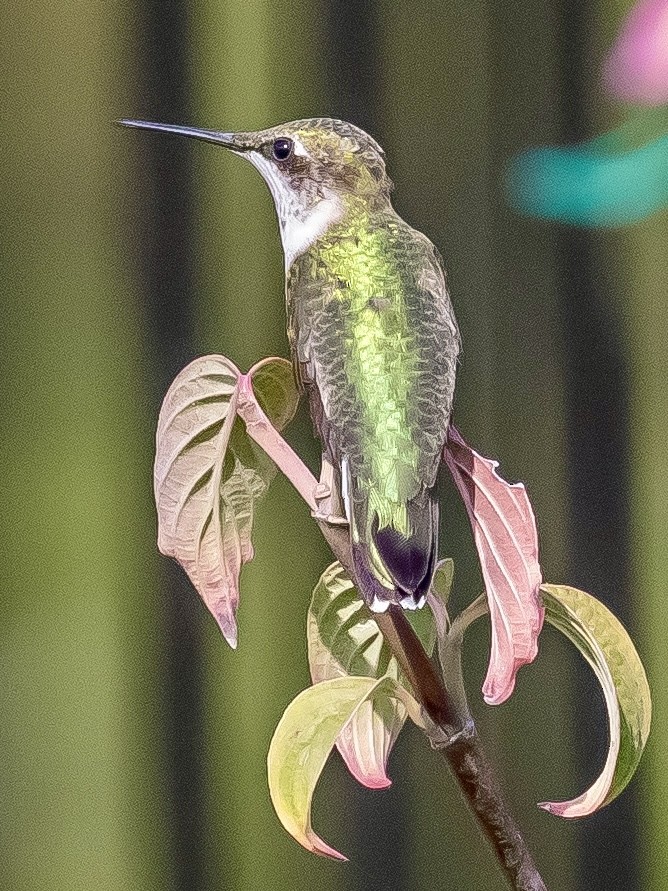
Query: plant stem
(459,743)
(456,737)
(474,773)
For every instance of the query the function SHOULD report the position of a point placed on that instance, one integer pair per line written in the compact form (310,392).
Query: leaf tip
(558,809)
(371,779)
(494,695)
(229,629)
(379,783)
(502,673)
(546,806)
(316,845)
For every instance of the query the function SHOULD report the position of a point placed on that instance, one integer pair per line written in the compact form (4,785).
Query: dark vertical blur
(166,215)
(352,63)
(597,423)
(81,800)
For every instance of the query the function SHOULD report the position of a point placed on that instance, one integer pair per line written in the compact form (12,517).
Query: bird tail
(394,565)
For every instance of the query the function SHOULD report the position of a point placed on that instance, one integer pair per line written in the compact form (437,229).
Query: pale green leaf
(607,647)
(275,389)
(442,582)
(305,736)
(344,639)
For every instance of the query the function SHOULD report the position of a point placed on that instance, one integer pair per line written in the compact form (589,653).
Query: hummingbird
(373,338)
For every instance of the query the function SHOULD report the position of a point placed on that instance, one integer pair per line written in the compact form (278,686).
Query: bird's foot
(329,506)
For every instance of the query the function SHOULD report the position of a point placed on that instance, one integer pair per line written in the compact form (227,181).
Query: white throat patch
(300,227)
(298,232)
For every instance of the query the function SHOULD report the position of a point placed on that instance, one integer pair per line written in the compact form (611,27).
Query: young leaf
(343,640)
(505,534)
(208,474)
(337,619)
(305,736)
(274,387)
(607,647)
(605,644)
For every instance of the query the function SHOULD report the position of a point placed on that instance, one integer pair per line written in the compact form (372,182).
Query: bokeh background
(132,740)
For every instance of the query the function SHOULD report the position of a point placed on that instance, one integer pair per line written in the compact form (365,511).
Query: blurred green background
(132,740)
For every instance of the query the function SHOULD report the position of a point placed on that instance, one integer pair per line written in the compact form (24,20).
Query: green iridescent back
(375,342)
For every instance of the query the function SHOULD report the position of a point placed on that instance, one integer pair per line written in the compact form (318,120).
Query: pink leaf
(637,68)
(505,534)
(340,631)
(208,474)
(194,430)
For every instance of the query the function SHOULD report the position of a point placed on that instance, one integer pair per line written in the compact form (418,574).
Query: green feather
(374,333)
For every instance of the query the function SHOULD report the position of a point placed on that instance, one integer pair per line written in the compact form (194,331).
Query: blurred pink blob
(637,68)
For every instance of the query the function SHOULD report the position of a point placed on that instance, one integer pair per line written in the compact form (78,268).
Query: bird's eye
(282,149)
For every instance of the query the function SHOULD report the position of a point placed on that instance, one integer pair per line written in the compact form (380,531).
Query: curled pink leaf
(504,529)
(636,69)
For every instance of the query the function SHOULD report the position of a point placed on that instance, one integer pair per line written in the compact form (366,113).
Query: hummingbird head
(317,170)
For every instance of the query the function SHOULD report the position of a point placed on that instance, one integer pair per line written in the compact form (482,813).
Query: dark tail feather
(408,561)
(411,561)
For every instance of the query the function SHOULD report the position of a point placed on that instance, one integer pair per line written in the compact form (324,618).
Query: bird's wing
(375,335)
(375,341)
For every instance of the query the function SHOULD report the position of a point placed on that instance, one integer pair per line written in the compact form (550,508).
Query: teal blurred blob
(590,185)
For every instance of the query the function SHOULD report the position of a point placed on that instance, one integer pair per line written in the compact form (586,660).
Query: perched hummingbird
(373,337)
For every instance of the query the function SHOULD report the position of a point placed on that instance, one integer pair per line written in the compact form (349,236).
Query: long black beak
(229,140)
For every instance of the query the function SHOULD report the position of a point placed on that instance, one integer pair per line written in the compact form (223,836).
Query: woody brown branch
(462,750)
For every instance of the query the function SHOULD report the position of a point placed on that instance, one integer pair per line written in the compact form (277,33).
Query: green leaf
(344,639)
(305,736)
(607,647)
(275,388)
(442,582)
(209,473)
